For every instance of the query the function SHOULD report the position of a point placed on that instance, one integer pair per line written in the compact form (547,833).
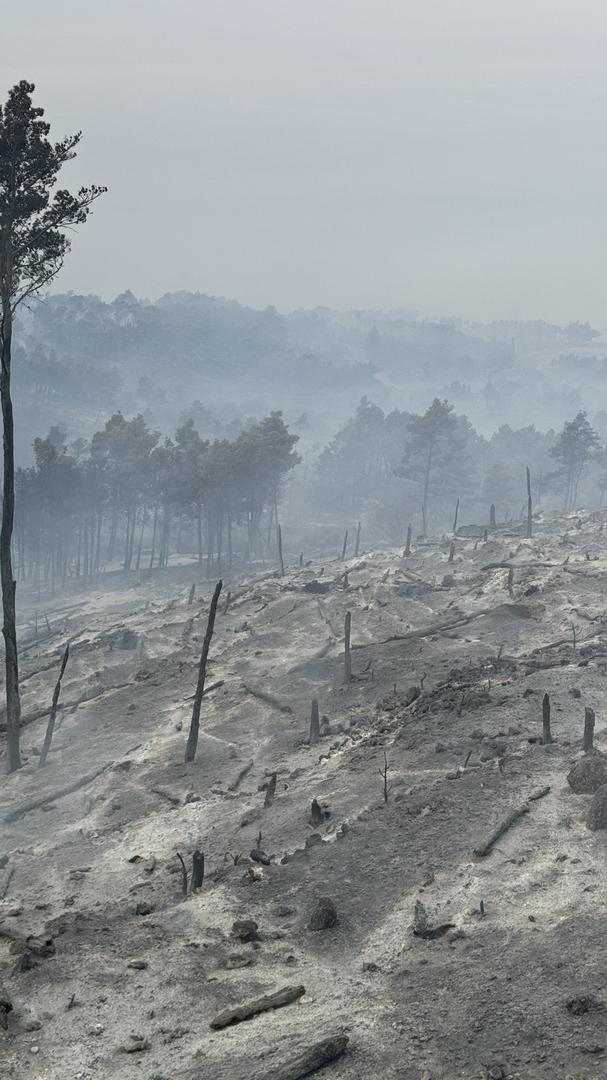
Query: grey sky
(448,155)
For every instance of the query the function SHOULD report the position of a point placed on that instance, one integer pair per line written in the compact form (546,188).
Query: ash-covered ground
(112,973)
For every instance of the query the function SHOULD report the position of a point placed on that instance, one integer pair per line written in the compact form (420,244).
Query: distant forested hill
(79,358)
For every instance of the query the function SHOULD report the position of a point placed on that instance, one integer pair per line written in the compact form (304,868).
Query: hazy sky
(448,155)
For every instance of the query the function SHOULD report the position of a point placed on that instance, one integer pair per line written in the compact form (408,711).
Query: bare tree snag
(280,558)
(589,719)
(529,532)
(197,870)
(286,996)
(347,653)
(357,543)
(408,543)
(451,552)
(270,791)
(511,583)
(314,722)
(384,775)
(184,876)
(344,546)
(456,516)
(192,743)
(310,1060)
(192,594)
(227,603)
(492,519)
(546,733)
(53,713)
(484,849)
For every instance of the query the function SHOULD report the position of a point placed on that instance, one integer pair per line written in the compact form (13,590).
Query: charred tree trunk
(314,723)
(529,532)
(9,586)
(357,543)
(408,543)
(192,743)
(140,544)
(456,516)
(53,713)
(154,529)
(270,791)
(589,719)
(492,518)
(347,653)
(344,546)
(280,558)
(546,733)
(197,870)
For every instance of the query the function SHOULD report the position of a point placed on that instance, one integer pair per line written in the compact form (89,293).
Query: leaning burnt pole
(192,743)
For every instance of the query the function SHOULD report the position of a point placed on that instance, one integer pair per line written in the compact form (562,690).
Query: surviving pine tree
(34,218)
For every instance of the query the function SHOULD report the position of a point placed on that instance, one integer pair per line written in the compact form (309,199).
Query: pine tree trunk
(9,626)
(154,528)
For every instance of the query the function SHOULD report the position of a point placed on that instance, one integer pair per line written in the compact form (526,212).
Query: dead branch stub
(589,719)
(314,722)
(546,732)
(311,1059)
(286,996)
(270,790)
(197,870)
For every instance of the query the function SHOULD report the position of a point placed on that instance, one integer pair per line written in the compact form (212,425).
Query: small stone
(578,1006)
(245,930)
(238,960)
(575,692)
(192,797)
(492,748)
(139,965)
(283,911)
(597,814)
(324,915)
(371,967)
(588,774)
(259,856)
(32,1025)
(143,908)
(134,1044)
(313,840)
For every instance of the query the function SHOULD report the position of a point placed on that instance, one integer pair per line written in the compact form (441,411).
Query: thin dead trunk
(51,720)
(280,558)
(529,507)
(347,653)
(192,743)
(9,586)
